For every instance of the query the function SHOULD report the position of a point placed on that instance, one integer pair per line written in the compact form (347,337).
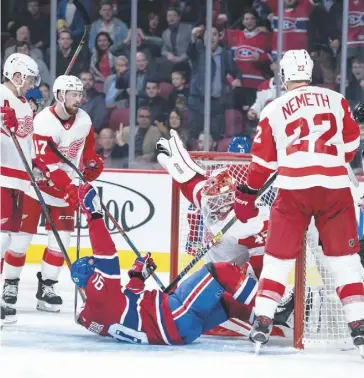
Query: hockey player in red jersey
(132,314)
(70,129)
(21,74)
(308,136)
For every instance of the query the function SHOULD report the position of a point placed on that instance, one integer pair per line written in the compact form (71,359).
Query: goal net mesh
(323,317)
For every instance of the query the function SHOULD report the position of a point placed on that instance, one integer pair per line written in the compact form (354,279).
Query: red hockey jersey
(244,44)
(356,24)
(128,313)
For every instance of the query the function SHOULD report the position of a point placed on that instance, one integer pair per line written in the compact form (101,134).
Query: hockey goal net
(318,316)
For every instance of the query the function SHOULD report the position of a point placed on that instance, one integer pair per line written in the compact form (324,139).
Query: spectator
(145,45)
(65,53)
(143,72)
(251,48)
(151,99)
(146,136)
(201,141)
(24,48)
(114,155)
(102,61)
(116,98)
(93,102)
(23,35)
(153,27)
(37,23)
(176,39)
(222,65)
(175,123)
(67,11)
(179,97)
(46,93)
(108,24)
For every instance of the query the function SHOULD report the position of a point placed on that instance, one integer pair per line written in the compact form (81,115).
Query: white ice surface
(52,345)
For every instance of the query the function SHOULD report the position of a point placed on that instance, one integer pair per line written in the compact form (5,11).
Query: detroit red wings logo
(70,152)
(25,127)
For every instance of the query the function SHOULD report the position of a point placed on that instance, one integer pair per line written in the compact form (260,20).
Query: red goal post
(319,317)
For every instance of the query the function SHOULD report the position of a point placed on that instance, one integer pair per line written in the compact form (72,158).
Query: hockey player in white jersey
(308,136)
(20,74)
(70,129)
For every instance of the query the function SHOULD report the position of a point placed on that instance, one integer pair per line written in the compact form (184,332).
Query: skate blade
(257,347)
(46,307)
(361,351)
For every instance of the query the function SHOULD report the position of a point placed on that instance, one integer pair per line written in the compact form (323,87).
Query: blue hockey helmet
(35,95)
(240,144)
(82,269)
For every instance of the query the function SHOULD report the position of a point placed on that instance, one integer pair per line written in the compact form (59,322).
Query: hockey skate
(260,332)
(48,299)
(357,333)
(8,301)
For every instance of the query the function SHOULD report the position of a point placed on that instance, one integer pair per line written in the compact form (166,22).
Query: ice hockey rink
(52,345)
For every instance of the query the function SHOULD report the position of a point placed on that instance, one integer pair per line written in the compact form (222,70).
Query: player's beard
(71,110)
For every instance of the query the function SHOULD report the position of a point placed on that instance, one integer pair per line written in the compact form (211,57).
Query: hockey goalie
(216,200)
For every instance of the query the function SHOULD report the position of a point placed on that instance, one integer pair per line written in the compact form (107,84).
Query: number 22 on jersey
(322,144)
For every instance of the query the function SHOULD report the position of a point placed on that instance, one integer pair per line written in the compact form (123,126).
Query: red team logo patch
(356,19)
(71,151)
(244,53)
(25,127)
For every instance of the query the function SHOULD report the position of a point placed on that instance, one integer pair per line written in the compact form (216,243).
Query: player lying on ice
(207,298)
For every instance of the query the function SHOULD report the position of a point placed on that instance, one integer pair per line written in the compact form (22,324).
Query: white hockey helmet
(65,83)
(295,65)
(23,64)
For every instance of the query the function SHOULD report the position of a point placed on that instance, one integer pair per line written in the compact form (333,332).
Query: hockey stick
(202,251)
(43,204)
(78,245)
(87,21)
(106,211)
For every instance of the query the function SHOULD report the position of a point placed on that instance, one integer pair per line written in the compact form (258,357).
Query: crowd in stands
(170,63)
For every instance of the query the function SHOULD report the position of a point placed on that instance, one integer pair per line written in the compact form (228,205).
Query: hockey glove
(93,168)
(143,267)
(41,173)
(175,159)
(9,119)
(244,205)
(90,202)
(71,196)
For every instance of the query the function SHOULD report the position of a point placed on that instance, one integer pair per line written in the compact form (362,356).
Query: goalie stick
(202,251)
(107,212)
(43,205)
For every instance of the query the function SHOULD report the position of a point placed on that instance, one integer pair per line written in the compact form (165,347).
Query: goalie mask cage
(318,316)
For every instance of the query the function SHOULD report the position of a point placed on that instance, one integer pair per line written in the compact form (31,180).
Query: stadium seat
(223,145)
(117,116)
(165,89)
(233,122)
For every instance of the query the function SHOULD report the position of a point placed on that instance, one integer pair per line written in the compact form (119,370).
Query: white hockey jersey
(12,170)
(73,138)
(308,135)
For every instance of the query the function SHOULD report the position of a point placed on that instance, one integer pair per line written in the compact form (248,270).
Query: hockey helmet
(240,144)
(35,95)
(81,270)
(217,195)
(295,65)
(23,64)
(65,83)
(358,113)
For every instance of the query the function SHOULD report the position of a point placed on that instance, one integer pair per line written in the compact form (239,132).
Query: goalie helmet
(23,64)
(296,65)
(81,270)
(217,195)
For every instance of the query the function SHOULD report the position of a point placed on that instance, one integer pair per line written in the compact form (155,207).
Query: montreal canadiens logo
(289,24)
(25,127)
(243,53)
(356,19)
(71,151)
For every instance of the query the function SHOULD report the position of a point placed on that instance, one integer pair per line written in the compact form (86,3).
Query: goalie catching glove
(89,202)
(175,159)
(143,267)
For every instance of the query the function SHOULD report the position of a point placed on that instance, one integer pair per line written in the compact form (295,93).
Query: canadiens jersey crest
(243,52)
(356,19)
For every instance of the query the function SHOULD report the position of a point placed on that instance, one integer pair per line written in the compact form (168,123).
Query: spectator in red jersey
(102,61)
(251,47)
